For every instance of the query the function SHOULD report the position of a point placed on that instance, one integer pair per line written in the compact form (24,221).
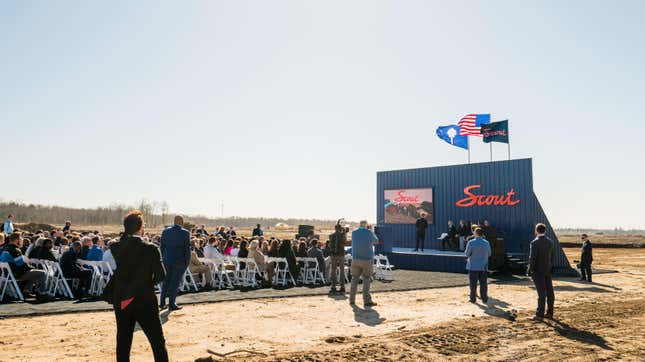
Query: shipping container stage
(500,192)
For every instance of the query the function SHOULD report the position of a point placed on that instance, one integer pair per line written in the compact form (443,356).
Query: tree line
(154,212)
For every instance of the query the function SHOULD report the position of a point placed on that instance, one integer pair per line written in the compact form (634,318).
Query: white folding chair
(97,277)
(311,271)
(384,268)
(59,284)
(282,271)
(246,274)
(224,274)
(8,283)
(188,282)
(212,267)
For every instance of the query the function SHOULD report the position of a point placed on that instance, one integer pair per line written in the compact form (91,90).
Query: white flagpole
(468,139)
(491,151)
(508,129)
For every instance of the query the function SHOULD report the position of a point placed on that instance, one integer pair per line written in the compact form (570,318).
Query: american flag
(470,124)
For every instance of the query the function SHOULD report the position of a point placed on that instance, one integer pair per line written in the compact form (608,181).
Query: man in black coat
(541,259)
(139,268)
(586,259)
(421,225)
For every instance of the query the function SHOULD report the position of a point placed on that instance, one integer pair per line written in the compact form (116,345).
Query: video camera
(341,228)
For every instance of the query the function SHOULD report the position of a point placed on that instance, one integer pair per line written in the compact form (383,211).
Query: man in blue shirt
(175,251)
(363,241)
(478,252)
(8,225)
(95,253)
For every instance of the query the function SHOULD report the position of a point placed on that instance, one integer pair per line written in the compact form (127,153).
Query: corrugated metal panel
(448,182)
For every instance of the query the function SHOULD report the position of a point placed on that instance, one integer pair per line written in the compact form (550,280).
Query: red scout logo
(481,200)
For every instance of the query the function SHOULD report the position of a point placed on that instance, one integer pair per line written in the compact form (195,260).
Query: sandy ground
(595,321)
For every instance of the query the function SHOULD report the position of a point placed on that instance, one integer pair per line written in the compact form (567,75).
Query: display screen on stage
(405,206)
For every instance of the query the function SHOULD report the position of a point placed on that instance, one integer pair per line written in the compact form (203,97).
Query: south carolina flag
(451,135)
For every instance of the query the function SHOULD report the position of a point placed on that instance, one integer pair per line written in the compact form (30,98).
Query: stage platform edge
(428,260)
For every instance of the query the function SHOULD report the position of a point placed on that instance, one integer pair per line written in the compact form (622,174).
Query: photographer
(337,252)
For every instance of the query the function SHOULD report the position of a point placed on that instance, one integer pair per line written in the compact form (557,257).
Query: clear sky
(288,108)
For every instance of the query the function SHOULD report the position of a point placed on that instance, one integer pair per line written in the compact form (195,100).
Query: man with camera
(337,252)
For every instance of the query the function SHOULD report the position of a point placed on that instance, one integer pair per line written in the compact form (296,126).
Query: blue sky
(288,108)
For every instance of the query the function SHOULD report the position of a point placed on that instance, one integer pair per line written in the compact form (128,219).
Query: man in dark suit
(586,259)
(133,296)
(175,250)
(421,226)
(541,259)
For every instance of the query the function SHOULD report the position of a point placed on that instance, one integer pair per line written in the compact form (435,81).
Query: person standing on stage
(541,260)
(138,269)
(175,249)
(421,225)
(337,253)
(586,258)
(478,251)
(363,241)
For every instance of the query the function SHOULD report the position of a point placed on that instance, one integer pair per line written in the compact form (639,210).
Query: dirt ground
(599,321)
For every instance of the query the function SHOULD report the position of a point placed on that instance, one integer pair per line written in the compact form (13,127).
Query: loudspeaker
(498,254)
(305,231)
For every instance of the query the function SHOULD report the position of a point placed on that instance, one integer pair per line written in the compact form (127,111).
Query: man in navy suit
(541,259)
(175,251)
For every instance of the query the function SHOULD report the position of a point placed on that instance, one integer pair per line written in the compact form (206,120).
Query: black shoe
(473,301)
(333,291)
(175,307)
(162,306)
(415,250)
(549,316)
(370,304)
(484,300)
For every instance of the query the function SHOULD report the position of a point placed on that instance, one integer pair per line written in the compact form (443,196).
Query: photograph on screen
(405,206)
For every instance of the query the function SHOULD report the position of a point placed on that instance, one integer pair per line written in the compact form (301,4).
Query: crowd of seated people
(67,246)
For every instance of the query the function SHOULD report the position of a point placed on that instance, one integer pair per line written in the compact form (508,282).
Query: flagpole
(468,138)
(508,130)
(491,151)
